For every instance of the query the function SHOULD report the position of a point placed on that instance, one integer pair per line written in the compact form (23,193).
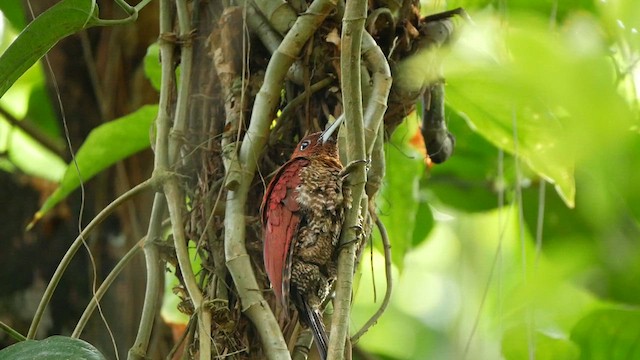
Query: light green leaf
(105,145)
(398,201)
(469,180)
(58,22)
(517,345)
(13,11)
(539,95)
(610,334)
(53,348)
(152,68)
(170,311)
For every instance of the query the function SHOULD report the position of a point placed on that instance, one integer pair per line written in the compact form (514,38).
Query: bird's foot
(352,166)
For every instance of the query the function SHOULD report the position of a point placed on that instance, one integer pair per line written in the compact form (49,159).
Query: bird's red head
(313,146)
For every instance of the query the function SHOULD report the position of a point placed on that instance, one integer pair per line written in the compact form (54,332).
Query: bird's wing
(280,221)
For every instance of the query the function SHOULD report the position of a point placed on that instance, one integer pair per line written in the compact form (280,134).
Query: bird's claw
(352,165)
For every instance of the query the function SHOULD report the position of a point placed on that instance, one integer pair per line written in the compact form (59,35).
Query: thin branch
(174,194)
(381,73)
(155,272)
(238,262)
(105,286)
(303,344)
(175,200)
(130,10)
(272,39)
(278,12)
(62,266)
(387,294)
(378,166)
(182,102)
(261,28)
(352,32)
(12,332)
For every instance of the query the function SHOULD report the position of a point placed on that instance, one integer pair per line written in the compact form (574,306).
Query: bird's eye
(304,145)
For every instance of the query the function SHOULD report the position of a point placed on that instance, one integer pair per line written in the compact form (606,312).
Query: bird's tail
(313,319)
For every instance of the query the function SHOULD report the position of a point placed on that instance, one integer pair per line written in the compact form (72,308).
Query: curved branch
(278,12)
(387,294)
(174,194)
(12,332)
(105,286)
(377,105)
(352,32)
(155,272)
(175,201)
(62,266)
(238,262)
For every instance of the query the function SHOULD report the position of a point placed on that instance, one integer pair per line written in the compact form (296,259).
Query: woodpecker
(302,215)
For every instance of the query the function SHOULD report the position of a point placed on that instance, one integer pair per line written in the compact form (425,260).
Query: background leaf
(398,200)
(105,145)
(470,181)
(547,347)
(61,20)
(53,348)
(152,69)
(610,334)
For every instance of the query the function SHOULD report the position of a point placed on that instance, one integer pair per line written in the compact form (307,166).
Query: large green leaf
(610,334)
(550,99)
(58,22)
(398,201)
(105,145)
(13,11)
(53,348)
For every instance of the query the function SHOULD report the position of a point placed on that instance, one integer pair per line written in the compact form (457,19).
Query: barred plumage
(302,214)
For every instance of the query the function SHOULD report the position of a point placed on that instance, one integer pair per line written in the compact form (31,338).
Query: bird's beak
(332,131)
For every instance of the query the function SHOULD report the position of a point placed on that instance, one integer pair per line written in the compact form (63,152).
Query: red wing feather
(280,220)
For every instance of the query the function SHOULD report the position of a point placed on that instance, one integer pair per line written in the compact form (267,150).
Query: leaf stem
(12,332)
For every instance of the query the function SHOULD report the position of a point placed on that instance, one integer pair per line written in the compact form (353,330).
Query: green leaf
(610,334)
(32,158)
(41,113)
(59,21)
(468,181)
(152,68)
(13,11)
(53,348)
(170,311)
(539,95)
(517,344)
(398,205)
(424,222)
(105,145)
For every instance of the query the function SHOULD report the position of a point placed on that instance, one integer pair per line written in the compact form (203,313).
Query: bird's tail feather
(313,318)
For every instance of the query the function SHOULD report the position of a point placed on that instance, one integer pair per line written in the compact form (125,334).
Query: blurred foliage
(105,145)
(534,250)
(27,99)
(609,334)
(524,243)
